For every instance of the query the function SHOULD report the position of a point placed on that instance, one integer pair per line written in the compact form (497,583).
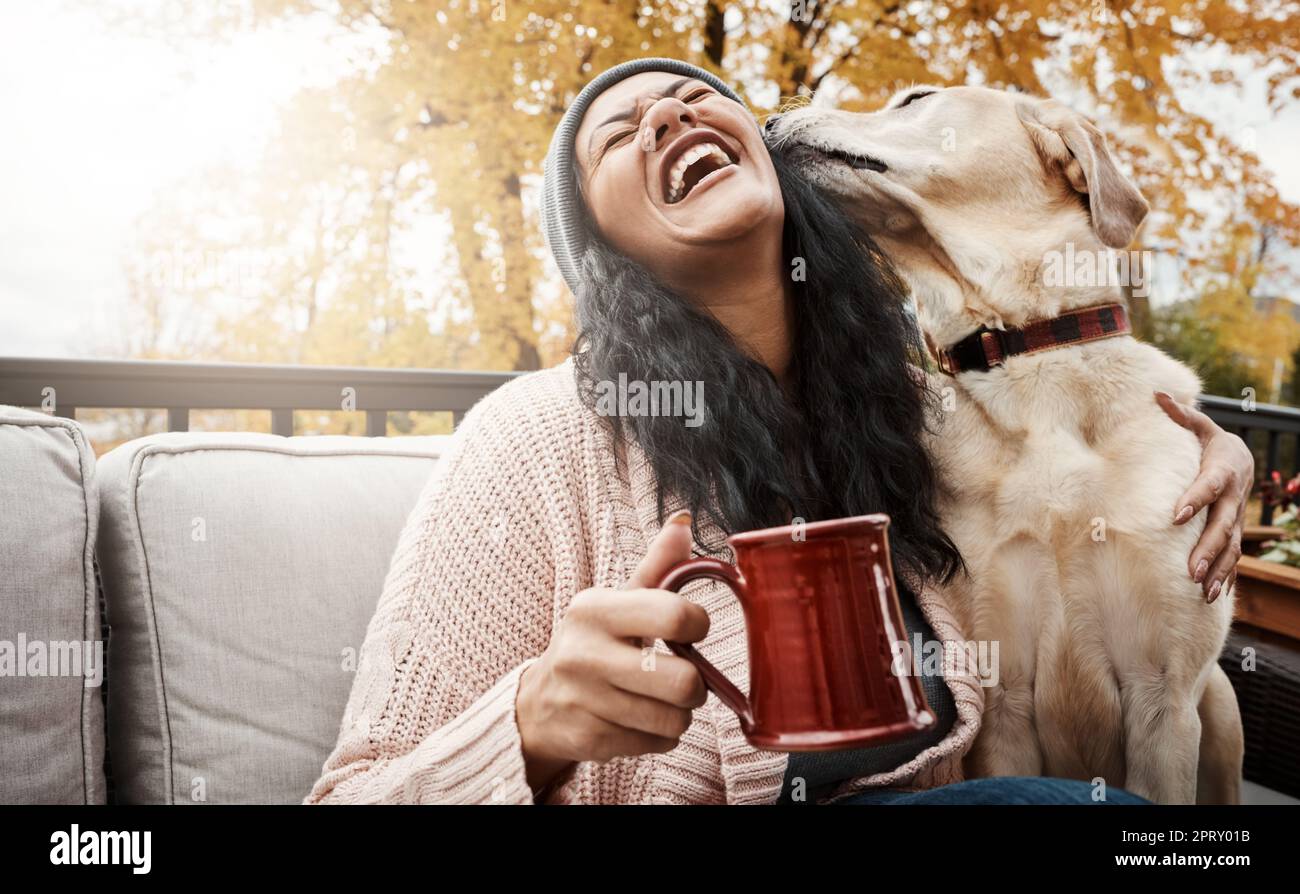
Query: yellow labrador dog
(1060,471)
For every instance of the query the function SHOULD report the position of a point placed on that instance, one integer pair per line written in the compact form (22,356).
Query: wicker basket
(1269,696)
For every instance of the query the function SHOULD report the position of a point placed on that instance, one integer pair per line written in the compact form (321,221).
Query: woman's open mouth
(692,160)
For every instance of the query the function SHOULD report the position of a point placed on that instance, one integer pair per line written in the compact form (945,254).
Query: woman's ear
(1071,143)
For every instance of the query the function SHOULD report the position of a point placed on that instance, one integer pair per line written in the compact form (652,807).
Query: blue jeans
(999,790)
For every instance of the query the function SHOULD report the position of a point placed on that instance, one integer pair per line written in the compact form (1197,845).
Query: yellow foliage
(451,117)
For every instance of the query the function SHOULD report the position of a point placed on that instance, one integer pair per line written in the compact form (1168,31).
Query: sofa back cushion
(240,571)
(51,650)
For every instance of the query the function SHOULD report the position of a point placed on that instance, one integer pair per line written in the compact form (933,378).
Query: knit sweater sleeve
(466,606)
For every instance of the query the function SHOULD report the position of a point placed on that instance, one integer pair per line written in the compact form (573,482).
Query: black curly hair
(844,440)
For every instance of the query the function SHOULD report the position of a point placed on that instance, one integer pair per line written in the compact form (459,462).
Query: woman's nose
(667,116)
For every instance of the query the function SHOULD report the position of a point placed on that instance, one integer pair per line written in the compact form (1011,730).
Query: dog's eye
(911,98)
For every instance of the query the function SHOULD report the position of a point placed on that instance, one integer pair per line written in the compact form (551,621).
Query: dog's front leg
(1162,737)
(1222,744)
(1006,608)
(1008,742)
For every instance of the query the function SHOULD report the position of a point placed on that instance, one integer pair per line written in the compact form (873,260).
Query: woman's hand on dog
(596,692)
(1224,483)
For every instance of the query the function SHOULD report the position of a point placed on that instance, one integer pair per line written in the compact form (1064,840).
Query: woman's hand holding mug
(593,694)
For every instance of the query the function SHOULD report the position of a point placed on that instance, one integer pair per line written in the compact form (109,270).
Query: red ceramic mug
(821,610)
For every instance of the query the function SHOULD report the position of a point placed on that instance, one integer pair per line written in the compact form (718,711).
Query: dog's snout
(770,124)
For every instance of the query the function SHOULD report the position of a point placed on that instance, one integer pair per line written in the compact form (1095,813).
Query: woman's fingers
(1227,465)
(1210,481)
(617,631)
(1223,484)
(666,678)
(1215,536)
(640,713)
(597,692)
(1210,486)
(597,739)
(671,545)
(1225,564)
(643,614)
(1180,413)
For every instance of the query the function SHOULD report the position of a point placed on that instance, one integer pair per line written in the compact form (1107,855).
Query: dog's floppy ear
(1071,142)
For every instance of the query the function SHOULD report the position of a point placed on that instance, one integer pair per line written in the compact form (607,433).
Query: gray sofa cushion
(51,706)
(240,571)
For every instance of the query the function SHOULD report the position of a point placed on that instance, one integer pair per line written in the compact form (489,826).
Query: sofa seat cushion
(240,571)
(51,650)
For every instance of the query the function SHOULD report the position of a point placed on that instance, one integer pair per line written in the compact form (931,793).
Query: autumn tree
(449,112)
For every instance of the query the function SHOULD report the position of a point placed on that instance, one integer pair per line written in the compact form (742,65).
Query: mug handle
(679,576)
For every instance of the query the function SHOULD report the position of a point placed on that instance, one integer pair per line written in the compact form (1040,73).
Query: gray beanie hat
(560,220)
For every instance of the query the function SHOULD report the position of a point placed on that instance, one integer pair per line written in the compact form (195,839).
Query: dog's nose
(770,124)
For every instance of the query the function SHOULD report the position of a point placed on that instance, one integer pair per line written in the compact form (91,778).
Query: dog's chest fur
(1059,477)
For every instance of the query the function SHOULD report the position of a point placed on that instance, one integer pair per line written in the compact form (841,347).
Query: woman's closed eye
(616,138)
(691,97)
(625,133)
(619,136)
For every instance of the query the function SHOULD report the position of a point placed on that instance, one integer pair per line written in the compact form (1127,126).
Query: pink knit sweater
(526,509)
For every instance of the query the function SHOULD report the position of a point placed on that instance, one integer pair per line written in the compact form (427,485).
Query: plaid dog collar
(986,348)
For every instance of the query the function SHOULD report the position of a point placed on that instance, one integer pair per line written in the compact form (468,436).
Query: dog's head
(969,190)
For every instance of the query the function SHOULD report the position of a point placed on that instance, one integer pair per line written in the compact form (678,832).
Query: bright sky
(93,124)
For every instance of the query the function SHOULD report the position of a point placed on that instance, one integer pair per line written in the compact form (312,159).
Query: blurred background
(354,182)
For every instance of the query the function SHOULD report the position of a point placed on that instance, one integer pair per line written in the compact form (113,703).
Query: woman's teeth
(677,188)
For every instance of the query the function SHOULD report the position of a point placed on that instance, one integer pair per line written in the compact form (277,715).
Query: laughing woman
(504,662)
